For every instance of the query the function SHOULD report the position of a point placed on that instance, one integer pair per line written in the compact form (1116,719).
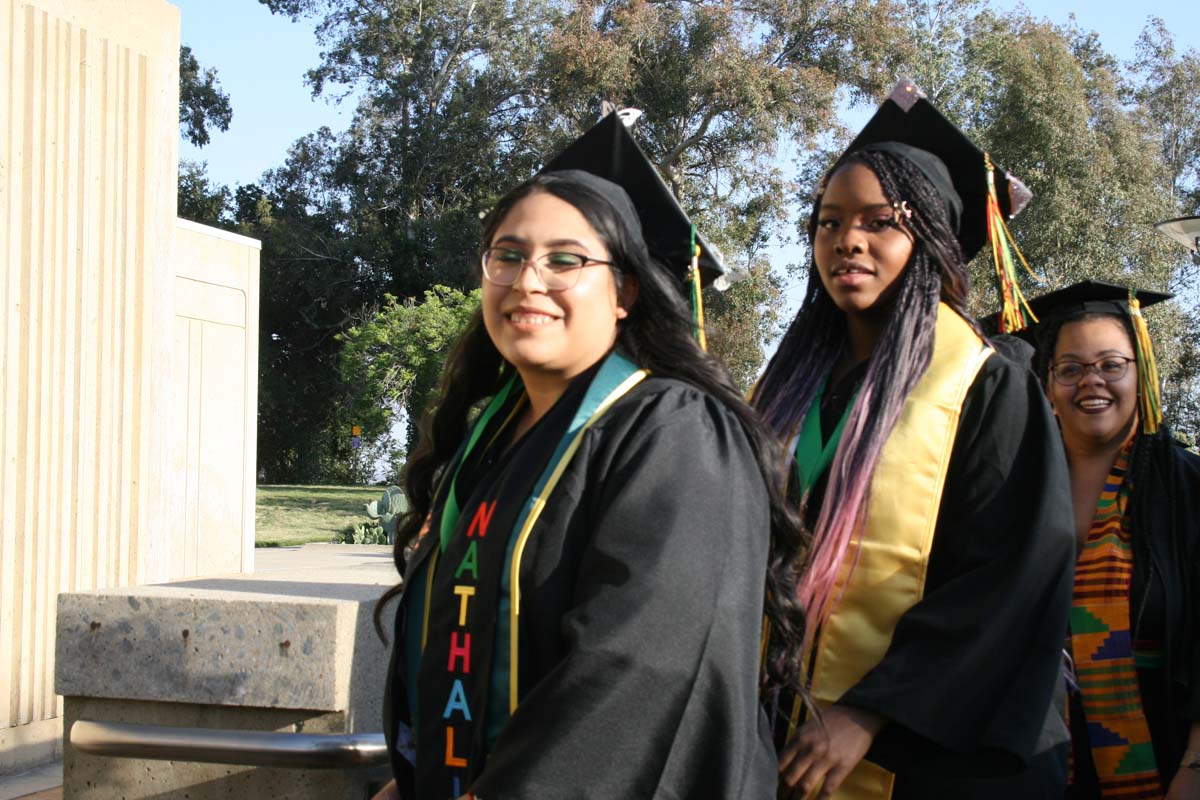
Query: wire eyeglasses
(503,266)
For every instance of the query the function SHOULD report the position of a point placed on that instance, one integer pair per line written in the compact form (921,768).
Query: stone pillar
(88,161)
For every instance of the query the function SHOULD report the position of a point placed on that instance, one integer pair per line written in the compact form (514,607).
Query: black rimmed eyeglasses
(1109,368)
(503,266)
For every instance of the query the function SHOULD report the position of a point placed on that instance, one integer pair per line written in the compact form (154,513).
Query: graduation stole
(470,600)
(814,456)
(1102,647)
(891,553)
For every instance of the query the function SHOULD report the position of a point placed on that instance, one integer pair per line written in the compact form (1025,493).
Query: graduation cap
(608,150)
(979,195)
(1098,297)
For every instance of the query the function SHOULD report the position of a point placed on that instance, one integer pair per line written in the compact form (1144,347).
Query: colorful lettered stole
(464,597)
(1102,647)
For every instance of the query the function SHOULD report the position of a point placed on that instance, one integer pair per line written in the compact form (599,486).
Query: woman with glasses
(1134,710)
(602,521)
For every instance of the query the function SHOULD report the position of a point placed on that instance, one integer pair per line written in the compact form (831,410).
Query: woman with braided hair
(928,472)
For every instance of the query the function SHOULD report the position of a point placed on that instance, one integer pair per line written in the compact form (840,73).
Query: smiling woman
(1134,491)
(581,615)
(548,315)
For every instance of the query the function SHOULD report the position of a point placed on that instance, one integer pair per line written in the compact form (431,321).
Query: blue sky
(261,59)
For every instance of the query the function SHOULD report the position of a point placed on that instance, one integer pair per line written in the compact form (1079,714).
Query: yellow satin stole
(893,551)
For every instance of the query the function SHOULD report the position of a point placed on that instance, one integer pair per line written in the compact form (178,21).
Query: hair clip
(902,210)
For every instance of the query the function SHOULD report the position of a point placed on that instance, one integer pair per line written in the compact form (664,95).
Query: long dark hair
(814,341)
(657,336)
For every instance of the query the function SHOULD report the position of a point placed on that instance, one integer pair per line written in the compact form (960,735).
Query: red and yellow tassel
(1149,401)
(696,295)
(1015,312)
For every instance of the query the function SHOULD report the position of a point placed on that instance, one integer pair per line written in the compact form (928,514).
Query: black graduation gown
(641,611)
(1165,520)
(971,684)
(1167,513)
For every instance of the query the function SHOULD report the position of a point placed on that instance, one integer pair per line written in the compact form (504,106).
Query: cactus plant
(387,510)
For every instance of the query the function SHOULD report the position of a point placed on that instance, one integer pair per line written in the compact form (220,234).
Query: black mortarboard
(978,195)
(1089,296)
(1098,297)
(954,164)
(1095,297)
(609,151)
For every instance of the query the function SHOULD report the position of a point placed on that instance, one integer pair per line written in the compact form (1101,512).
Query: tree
(460,101)
(1165,86)
(393,359)
(200,200)
(1055,114)
(311,287)
(201,102)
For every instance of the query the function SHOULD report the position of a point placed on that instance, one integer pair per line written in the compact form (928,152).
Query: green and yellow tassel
(1015,312)
(1149,401)
(696,296)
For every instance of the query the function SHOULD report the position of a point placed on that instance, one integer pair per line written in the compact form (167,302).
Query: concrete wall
(88,159)
(216,378)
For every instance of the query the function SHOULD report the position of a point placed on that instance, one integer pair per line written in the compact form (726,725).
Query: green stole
(813,456)
(614,379)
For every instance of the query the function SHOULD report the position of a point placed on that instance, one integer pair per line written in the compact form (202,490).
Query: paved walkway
(43,783)
(320,562)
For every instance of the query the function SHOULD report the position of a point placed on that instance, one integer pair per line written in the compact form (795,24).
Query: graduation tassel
(1149,402)
(1015,314)
(697,298)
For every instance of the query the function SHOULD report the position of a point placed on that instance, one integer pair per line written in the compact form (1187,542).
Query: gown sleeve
(1184,506)
(655,694)
(974,666)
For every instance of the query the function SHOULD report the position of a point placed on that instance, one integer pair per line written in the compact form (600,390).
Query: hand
(1185,785)
(389,792)
(824,757)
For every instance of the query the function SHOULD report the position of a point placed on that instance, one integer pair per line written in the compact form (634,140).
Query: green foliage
(293,515)
(361,533)
(388,510)
(460,101)
(1165,86)
(200,200)
(1094,145)
(747,318)
(393,359)
(201,102)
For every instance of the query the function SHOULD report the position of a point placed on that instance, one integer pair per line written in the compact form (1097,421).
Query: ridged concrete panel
(88,138)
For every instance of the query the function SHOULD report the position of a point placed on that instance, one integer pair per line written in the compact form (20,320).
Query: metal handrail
(245,748)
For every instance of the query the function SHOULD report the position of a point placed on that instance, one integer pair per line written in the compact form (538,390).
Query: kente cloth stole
(468,665)
(1102,648)
(891,554)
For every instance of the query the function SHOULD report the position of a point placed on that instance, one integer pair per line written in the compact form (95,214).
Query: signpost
(355,446)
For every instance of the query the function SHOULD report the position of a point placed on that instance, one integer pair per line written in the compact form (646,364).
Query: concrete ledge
(290,649)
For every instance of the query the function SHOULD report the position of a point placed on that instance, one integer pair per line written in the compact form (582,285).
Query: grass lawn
(291,515)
